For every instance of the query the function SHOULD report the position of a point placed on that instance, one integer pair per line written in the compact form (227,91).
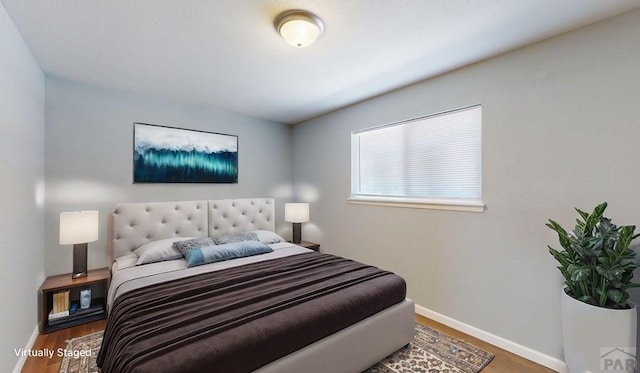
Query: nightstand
(96,279)
(310,245)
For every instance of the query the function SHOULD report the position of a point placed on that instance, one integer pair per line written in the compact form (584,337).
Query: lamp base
(297,233)
(79,260)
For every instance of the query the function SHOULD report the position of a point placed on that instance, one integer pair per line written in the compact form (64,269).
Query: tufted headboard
(134,224)
(239,215)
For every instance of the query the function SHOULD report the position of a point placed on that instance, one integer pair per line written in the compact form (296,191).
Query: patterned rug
(433,352)
(429,352)
(77,358)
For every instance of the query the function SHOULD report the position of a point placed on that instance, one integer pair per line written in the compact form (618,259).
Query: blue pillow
(218,253)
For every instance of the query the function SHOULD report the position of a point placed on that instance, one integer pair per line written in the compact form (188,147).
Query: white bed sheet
(134,277)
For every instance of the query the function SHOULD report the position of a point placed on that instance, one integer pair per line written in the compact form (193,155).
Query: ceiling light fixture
(299,27)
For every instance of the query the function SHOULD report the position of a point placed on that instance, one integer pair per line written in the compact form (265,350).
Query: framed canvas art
(174,155)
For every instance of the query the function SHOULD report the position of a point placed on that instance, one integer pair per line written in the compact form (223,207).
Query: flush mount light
(299,27)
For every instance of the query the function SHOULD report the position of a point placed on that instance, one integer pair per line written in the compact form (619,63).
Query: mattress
(126,276)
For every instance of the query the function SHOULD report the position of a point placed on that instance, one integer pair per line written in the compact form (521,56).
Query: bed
(291,324)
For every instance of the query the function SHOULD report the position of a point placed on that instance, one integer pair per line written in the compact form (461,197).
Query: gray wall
(21,190)
(89,147)
(560,129)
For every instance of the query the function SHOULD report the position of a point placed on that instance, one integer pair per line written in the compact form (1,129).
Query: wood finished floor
(56,340)
(503,362)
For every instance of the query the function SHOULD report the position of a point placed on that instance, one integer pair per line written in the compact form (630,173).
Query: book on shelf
(53,316)
(97,309)
(60,301)
(56,303)
(97,306)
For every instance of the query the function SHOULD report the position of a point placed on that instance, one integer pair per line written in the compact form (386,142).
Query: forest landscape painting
(174,155)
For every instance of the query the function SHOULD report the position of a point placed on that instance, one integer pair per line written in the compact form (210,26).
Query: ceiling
(227,54)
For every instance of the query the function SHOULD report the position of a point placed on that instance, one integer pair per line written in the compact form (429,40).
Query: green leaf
(589,247)
(626,278)
(605,260)
(594,218)
(618,298)
(583,214)
(614,295)
(563,236)
(579,229)
(616,284)
(614,273)
(624,239)
(578,273)
(629,266)
(560,257)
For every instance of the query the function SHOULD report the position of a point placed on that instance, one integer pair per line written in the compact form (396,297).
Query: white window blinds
(433,157)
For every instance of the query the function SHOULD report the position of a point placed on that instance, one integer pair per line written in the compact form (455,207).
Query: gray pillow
(268,237)
(187,245)
(236,237)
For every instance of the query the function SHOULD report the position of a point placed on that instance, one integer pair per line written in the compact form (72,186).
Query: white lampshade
(299,28)
(296,212)
(78,227)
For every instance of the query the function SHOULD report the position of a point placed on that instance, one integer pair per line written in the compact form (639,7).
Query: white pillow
(158,251)
(268,237)
(126,261)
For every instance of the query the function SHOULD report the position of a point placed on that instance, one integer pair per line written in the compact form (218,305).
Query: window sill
(431,204)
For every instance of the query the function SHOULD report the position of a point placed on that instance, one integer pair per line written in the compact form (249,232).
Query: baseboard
(505,344)
(30,343)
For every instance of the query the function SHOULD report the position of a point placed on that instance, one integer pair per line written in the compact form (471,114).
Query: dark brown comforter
(239,319)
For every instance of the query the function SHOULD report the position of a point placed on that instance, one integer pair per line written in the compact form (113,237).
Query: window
(431,162)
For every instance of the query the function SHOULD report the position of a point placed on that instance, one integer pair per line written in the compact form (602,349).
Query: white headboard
(134,224)
(239,215)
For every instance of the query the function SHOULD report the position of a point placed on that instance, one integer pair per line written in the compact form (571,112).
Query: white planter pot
(596,339)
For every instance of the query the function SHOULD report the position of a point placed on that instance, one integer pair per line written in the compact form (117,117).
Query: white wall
(21,190)
(89,151)
(560,129)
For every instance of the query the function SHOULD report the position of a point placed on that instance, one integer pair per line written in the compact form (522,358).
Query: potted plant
(598,321)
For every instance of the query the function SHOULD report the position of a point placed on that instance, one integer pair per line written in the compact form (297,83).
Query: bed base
(355,348)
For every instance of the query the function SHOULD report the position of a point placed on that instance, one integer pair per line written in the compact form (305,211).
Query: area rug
(429,352)
(80,354)
(433,352)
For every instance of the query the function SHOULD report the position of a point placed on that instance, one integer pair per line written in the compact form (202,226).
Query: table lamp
(296,213)
(77,229)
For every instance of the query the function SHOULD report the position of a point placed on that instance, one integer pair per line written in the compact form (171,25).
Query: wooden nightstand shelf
(97,280)
(310,245)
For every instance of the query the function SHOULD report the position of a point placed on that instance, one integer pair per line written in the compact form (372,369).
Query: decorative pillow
(218,253)
(236,237)
(268,237)
(158,251)
(194,243)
